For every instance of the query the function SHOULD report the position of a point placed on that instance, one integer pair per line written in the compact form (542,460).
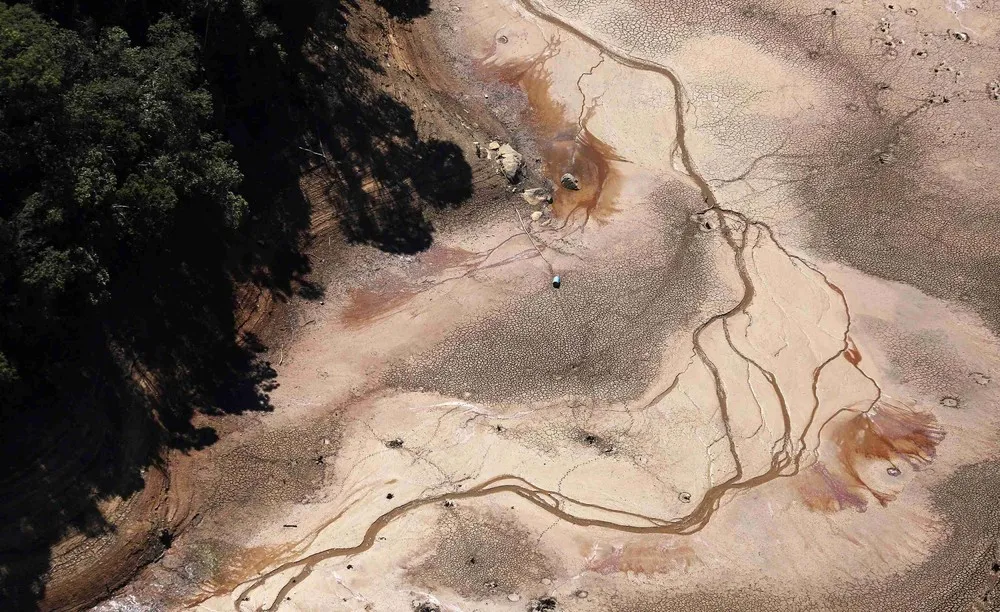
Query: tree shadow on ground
(131,381)
(383,175)
(406,10)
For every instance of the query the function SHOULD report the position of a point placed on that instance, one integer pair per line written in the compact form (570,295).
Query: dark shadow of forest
(285,105)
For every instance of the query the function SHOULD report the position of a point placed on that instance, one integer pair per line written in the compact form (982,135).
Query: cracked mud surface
(768,380)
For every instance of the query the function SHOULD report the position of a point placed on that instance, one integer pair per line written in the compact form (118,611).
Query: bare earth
(769,380)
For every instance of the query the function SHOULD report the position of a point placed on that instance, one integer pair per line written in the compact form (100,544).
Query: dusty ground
(766,382)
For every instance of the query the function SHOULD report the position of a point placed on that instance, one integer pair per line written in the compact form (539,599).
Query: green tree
(105,154)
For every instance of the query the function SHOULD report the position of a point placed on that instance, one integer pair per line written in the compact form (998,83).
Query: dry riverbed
(766,380)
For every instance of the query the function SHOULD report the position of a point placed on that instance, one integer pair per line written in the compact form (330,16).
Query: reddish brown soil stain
(645,559)
(245,564)
(439,258)
(851,354)
(365,306)
(825,492)
(588,159)
(565,146)
(887,433)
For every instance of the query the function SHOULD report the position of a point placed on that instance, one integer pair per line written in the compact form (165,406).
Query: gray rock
(537,196)
(510,162)
(570,182)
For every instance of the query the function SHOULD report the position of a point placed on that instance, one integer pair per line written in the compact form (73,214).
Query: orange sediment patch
(851,353)
(885,435)
(566,146)
(227,567)
(589,159)
(889,432)
(365,306)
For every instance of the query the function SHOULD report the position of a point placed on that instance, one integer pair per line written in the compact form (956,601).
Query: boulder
(510,161)
(570,182)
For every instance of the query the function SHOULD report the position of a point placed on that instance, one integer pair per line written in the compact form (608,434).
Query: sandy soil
(765,382)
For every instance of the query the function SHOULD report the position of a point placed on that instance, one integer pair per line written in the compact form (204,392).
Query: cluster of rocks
(510,163)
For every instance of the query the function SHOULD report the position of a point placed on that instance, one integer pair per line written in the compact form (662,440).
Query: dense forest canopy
(107,156)
(122,205)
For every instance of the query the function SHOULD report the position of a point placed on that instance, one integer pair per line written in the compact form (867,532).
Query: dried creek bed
(766,381)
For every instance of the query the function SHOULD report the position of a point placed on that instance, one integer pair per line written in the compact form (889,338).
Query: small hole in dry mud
(830,12)
(349,566)
(685,497)
(590,439)
(389,495)
(950,402)
(166,538)
(996,567)
(395,443)
(503,40)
